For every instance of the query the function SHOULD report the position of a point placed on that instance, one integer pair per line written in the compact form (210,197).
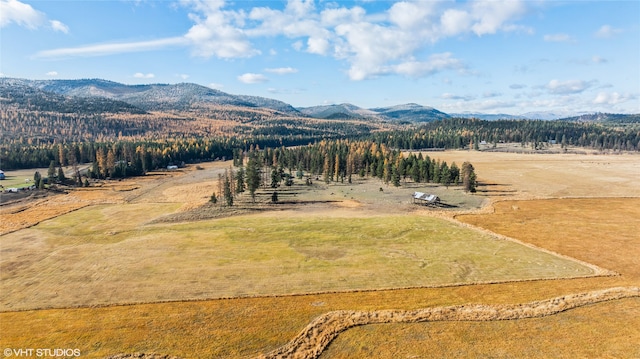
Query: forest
(131,144)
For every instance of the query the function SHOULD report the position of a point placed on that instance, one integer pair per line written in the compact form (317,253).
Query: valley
(182,221)
(104,268)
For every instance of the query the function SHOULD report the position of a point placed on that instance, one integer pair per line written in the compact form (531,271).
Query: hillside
(344,111)
(19,94)
(411,112)
(152,97)
(605,118)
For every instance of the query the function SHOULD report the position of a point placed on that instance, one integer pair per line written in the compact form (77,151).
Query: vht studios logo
(41,352)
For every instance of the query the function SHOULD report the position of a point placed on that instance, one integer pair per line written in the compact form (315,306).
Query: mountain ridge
(143,98)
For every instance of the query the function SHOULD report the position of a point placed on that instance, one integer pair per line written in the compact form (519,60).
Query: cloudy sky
(500,56)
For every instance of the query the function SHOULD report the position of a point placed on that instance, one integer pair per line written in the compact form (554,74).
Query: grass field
(599,228)
(587,332)
(108,254)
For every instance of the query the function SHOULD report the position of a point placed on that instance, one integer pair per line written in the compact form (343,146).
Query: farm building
(426,199)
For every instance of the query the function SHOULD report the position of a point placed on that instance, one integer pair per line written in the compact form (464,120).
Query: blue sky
(479,56)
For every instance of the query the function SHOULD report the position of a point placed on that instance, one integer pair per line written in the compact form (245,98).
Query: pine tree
(228,194)
(51,173)
(240,180)
(61,176)
(253,175)
(36,179)
(468,177)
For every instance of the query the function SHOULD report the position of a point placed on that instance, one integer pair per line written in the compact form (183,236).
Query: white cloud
(282,70)
(492,16)
(599,60)
(13,11)
(568,87)
(489,94)
(454,21)
(58,26)
(612,98)
(411,15)
(109,49)
(436,63)
(297,45)
(334,17)
(215,86)
(493,104)
(217,32)
(251,78)
(558,38)
(382,43)
(140,75)
(52,73)
(450,96)
(183,76)
(607,32)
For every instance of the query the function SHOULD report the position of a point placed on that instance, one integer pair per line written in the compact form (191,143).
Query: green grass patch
(111,254)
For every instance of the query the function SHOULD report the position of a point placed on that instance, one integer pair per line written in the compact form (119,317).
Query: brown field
(581,206)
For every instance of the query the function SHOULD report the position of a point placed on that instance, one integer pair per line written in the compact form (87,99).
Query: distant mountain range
(149,97)
(97,95)
(408,113)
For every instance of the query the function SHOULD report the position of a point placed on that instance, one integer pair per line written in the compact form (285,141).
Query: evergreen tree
(253,175)
(395,176)
(468,177)
(61,176)
(240,180)
(454,173)
(228,194)
(275,178)
(36,179)
(51,173)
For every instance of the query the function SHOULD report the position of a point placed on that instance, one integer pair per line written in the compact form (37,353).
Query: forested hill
(151,97)
(34,99)
(463,132)
(613,118)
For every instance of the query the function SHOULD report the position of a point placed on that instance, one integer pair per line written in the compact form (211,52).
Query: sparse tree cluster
(341,160)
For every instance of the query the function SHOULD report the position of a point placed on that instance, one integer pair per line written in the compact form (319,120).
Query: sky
(499,56)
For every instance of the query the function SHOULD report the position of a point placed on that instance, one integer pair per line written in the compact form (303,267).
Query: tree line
(468,133)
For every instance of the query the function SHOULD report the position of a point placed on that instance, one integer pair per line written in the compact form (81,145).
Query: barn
(425,199)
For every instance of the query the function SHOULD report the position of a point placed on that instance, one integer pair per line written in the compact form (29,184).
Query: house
(426,199)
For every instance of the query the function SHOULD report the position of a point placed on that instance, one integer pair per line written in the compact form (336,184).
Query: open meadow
(147,265)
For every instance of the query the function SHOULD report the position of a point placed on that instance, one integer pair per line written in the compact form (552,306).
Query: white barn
(424,198)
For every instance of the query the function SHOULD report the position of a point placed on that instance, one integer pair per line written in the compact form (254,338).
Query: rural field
(147,265)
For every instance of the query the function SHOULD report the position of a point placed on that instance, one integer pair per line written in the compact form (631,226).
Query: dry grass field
(580,206)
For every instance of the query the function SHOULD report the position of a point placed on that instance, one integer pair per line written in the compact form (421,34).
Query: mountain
(411,112)
(605,117)
(341,111)
(22,95)
(154,96)
(487,116)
